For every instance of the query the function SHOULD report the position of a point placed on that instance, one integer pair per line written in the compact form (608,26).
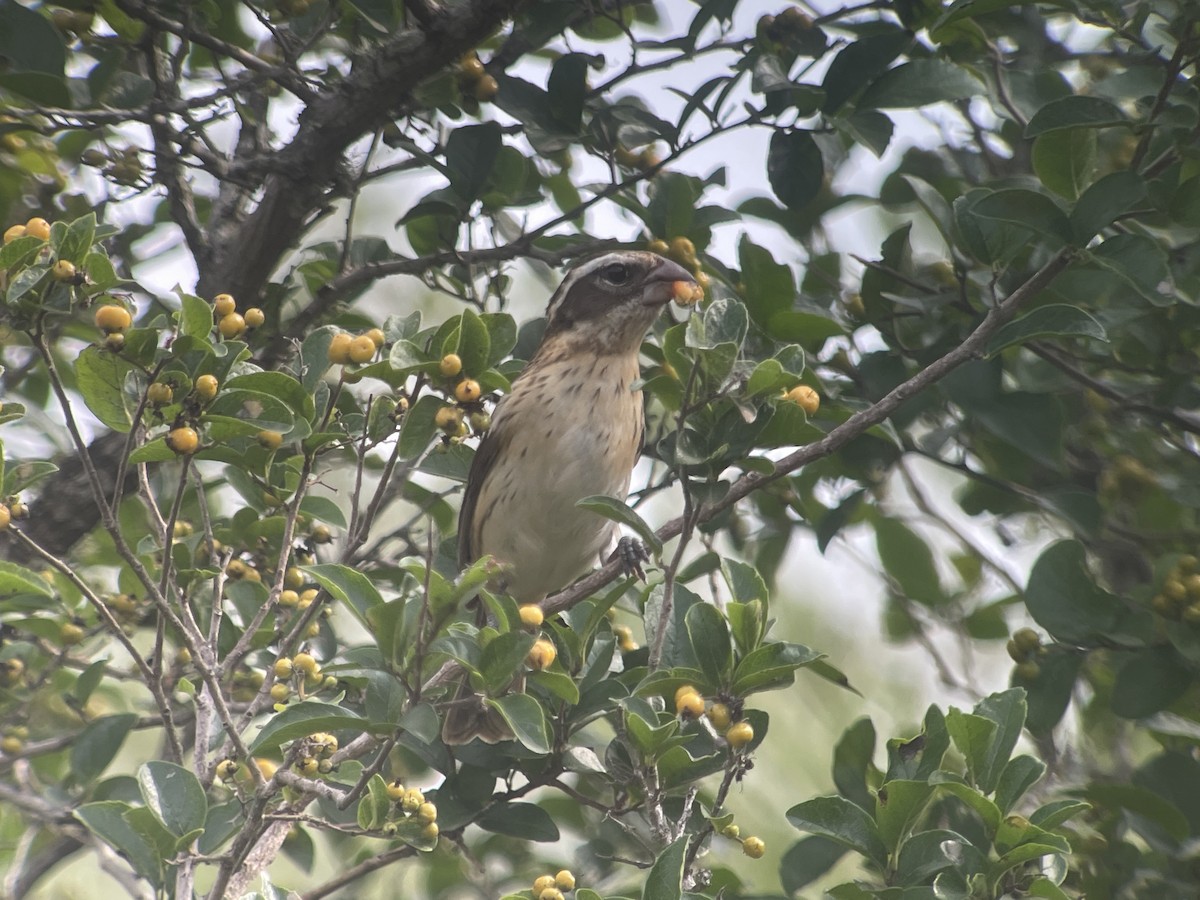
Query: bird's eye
(617,273)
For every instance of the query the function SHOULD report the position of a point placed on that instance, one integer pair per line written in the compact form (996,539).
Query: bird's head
(608,303)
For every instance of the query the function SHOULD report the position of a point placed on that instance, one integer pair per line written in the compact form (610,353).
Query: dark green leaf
(858,64)
(1028,209)
(302,719)
(502,657)
(664,881)
(795,168)
(852,756)
(1053,320)
(898,804)
(807,860)
(1110,197)
(1065,601)
(348,585)
(16,579)
(1151,680)
(907,559)
(527,720)
(101,380)
(1074,111)
(108,821)
(842,821)
(174,795)
(709,634)
(97,744)
(470,154)
(920,83)
(519,820)
(1064,160)
(1019,775)
(771,666)
(622,514)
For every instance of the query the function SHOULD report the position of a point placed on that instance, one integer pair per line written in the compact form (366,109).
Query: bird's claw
(632,553)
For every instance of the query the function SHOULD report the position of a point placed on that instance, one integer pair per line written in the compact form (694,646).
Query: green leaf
(1019,775)
(278,385)
(842,821)
(1007,710)
(527,719)
(302,719)
(502,657)
(898,804)
(1053,320)
(973,736)
(519,820)
(770,286)
(907,559)
(1065,160)
(1063,599)
(770,667)
(28,42)
(807,860)
(664,881)
(418,427)
(852,762)
(472,342)
(1142,802)
(1074,111)
(566,90)
(195,316)
(96,746)
(1152,679)
(348,585)
(1141,262)
(795,168)
(100,376)
(107,820)
(926,853)
(1105,200)
(470,155)
(621,513)
(859,63)
(1028,209)
(920,83)
(987,811)
(174,795)
(709,634)
(1057,812)
(16,580)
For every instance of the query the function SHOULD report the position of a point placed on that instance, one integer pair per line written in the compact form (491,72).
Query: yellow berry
(732,831)
(683,690)
(754,847)
(223,305)
(551,894)
(321,534)
(70,633)
(38,227)
(206,387)
(267,767)
(280,691)
(541,654)
(271,440)
(720,716)
(183,440)
(682,250)
(112,318)
(5,516)
(448,419)
(471,68)
(289,598)
(543,883)
(564,880)
(739,735)
(450,365)
(430,831)
(231,326)
(307,598)
(659,246)
(467,391)
(412,800)
(362,349)
(686,292)
(485,88)
(13,232)
(284,667)
(227,769)
(339,348)
(12,745)
(115,343)
(804,397)
(378,338)
(64,270)
(689,705)
(427,812)
(304,662)
(159,393)
(395,791)
(532,616)
(309,766)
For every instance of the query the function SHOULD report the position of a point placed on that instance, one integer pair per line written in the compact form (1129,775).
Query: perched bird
(571,427)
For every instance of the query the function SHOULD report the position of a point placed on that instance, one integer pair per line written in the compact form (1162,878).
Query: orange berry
(159,393)
(739,735)
(541,654)
(362,349)
(231,326)
(467,391)
(378,338)
(689,705)
(270,440)
(805,398)
(183,440)
(64,270)
(448,419)
(485,88)
(450,365)
(532,616)
(339,348)
(720,716)
(38,228)
(13,232)
(254,317)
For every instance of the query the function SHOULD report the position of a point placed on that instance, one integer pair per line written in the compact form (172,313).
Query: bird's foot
(632,553)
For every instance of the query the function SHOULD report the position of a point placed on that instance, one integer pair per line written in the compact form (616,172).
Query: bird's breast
(573,429)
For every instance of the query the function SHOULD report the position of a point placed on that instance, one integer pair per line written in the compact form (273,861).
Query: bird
(570,427)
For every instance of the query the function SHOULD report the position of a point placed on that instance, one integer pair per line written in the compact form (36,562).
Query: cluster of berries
(690,704)
(683,251)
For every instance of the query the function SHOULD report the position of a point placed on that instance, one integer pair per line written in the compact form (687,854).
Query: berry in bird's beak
(662,282)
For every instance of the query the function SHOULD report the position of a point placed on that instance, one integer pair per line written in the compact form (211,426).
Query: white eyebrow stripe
(577,274)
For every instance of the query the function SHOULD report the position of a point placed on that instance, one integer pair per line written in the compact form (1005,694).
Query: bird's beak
(660,282)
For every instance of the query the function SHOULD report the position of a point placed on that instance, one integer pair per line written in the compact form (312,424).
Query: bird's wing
(484,461)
